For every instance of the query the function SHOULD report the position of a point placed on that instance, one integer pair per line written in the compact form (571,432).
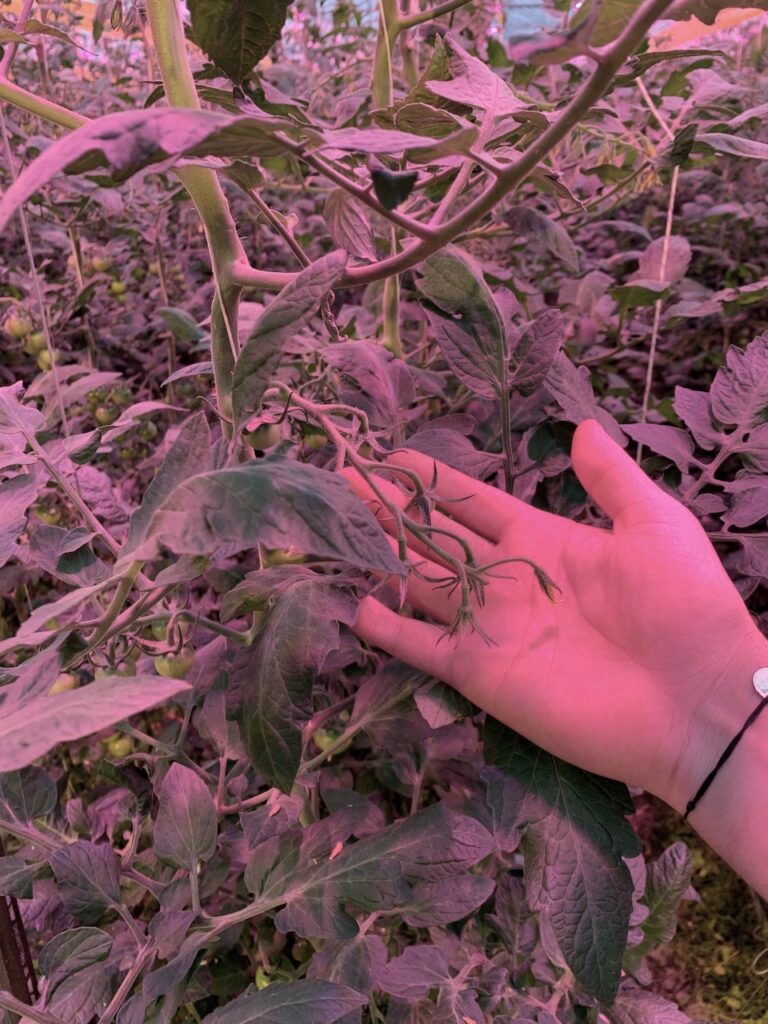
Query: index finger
(491,513)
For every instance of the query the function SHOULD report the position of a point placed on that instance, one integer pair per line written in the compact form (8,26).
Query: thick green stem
(382,93)
(207,195)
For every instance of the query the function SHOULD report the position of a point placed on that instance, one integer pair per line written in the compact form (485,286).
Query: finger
(418,643)
(613,479)
(482,549)
(486,510)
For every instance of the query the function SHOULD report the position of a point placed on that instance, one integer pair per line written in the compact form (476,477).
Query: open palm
(614,674)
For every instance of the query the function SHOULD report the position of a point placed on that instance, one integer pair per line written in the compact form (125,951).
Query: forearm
(730,816)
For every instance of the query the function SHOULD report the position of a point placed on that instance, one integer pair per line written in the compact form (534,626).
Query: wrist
(729,815)
(725,702)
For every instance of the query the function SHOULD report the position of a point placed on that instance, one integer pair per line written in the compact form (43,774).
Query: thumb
(613,479)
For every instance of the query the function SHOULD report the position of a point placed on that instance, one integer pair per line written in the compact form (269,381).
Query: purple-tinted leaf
(637,1006)
(434,843)
(16,418)
(394,143)
(572,387)
(739,392)
(655,266)
(441,704)
(271,501)
(26,794)
(534,353)
(30,680)
(349,223)
(671,442)
(374,380)
(412,974)
(278,671)
(169,929)
(72,951)
(454,450)
(16,495)
(188,455)
(474,84)
(265,822)
(734,145)
(44,612)
(465,321)
(695,410)
(300,1002)
(291,310)
(667,881)
(640,292)
(513,921)
(355,962)
(16,877)
(180,323)
(186,825)
(194,370)
(447,900)
(81,996)
(67,554)
(236,36)
(754,450)
(749,503)
(528,221)
(32,730)
(574,838)
(131,140)
(89,879)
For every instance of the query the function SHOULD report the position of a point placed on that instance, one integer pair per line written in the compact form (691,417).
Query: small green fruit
(17,326)
(51,516)
(301,951)
(262,978)
(35,343)
(175,666)
(283,556)
(315,440)
(101,264)
(158,628)
(121,747)
(325,737)
(105,414)
(44,360)
(63,682)
(118,287)
(263,437)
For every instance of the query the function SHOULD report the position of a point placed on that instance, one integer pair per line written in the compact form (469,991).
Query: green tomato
(283,556)
(301,951)
(63,682)
(101,264)
(51,516)
(175,666)
(262,978)
(147,430)
(158,628)
(44,360)
(104,673)
(315,440)
(17,326)
(118,287)
(120,747)
(35,343)
(105,414)
(53,623)
(324,738)
(265,436)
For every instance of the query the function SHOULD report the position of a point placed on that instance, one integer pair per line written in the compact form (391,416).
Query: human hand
(636,673)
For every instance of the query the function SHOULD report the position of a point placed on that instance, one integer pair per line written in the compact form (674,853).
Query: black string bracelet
(760,682)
